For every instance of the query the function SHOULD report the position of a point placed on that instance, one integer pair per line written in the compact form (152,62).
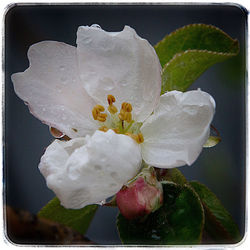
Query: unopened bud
(142,196)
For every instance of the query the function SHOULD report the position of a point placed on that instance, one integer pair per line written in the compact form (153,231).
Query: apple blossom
(104,94)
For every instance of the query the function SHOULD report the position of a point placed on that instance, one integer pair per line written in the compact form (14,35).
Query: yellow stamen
(95,113)
(122,115)
(140,138)
(102,117)
(128,117)
(100,108)
(126,107)
(103,128)
(111,99)
(112,109)
(116,130)
(119,127)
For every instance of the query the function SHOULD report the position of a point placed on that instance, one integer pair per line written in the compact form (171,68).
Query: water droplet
(62,68)
(95,26)
(43,109)
(63,79)
(101,203)
(155,237)
(114,175)
(124,84)
(108,84)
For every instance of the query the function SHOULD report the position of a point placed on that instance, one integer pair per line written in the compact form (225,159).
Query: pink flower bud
(141,197)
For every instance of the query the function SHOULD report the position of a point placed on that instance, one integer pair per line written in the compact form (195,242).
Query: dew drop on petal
(107,84)
(124,84)
(109,87)
(62,68)
(63,80)
(102,202)
(95,26)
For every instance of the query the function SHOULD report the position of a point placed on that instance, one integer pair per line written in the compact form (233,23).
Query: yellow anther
(128,117)
(126,107)
(111,99)
(125,116)
(103,128)
(140,138)
(100,108)
(122,115)
(95,113)
(116,130)
(102,117)
(112,109)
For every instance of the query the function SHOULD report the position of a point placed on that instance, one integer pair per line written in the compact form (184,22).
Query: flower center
(121,123)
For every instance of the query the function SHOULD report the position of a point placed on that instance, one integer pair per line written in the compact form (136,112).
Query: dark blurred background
(221,168)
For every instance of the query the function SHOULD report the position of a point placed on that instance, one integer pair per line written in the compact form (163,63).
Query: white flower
(105,95)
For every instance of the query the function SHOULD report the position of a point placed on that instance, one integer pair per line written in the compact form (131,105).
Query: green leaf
(78,219)
(218,222)
(179,221)
(212,141)
(187,52)
(195,37)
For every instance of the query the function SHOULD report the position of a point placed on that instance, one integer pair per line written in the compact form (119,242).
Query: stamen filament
(129,126)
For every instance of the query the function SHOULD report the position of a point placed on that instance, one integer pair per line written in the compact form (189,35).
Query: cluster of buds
(142,195)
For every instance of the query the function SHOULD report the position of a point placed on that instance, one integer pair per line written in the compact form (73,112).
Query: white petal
(88,170)
(121,64)
(52,89)
(175,134)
